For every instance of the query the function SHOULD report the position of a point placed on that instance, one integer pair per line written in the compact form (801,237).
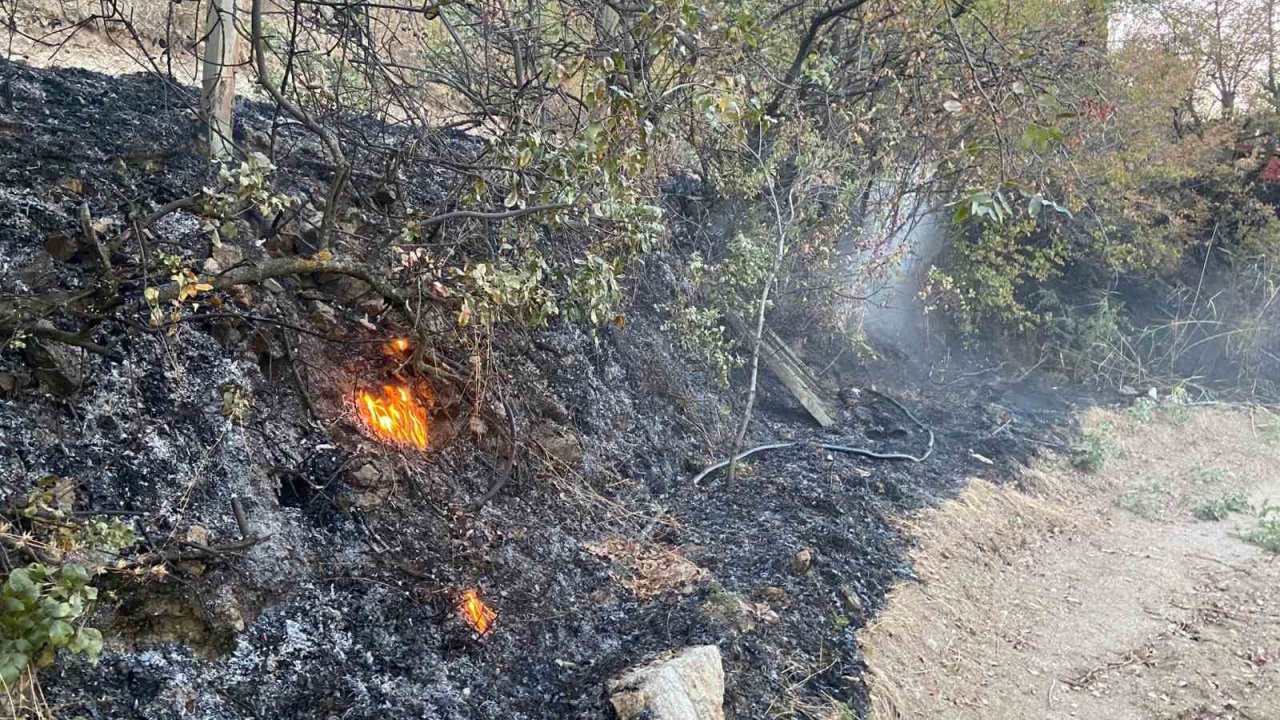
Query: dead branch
(330,140)
(283,267)
(508,467)
(91,237)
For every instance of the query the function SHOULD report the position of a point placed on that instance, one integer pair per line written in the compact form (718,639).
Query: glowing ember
(400,345)
(478,615)
(398,416)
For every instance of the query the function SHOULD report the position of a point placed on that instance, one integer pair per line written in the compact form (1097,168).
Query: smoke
(890,254)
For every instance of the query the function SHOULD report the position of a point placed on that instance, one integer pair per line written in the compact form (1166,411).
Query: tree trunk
(218,76)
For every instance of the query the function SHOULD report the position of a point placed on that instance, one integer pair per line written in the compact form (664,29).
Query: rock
(8,382)
(367,476)
(802,561)
(324,313)
(345,289)
(227,256)
(851,602)
(733,610)
(273,285)
(776,597)
(61,246)
(60,368)
(559,441)
(685,685)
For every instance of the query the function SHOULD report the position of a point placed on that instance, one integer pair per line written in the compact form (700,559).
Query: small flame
(400,345)
(398,416)
(478,615)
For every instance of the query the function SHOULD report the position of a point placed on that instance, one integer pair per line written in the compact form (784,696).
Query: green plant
(1207,476)
(41,612)
(240,186)
(44,604)
(1266,535)
(1148,501)
(1219,509)
(1091,453)
(700,333)
(1143,409)
(594,294)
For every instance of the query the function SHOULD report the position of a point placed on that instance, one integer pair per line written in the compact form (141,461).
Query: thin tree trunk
(218,76)
(782,228)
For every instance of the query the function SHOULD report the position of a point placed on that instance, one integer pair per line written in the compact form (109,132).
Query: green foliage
(241,186)
(699,332)
(44,604)
(1091,453)
(987,270)
(594,294)
(1266,534)
(1148,501)
(506,291)
(41,611)
(1219,509)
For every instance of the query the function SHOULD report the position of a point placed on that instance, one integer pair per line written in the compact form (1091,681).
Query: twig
(169,207)
(303,391)
(62,336)
(237,509)
(91,237)
(507,467)
(507,215)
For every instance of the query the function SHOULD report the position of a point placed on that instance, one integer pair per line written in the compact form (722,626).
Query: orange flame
(400,345)
(397,417)
(478,615)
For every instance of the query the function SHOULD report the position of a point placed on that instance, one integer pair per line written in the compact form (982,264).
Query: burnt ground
(345,609)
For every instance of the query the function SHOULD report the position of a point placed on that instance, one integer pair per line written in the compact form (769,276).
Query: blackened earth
(345,609)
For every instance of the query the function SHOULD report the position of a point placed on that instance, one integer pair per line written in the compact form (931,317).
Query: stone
(559,441)
(851,602)
(227,256)
(687,684)
(367,476)
(60,368)
(802,561)
(776,597)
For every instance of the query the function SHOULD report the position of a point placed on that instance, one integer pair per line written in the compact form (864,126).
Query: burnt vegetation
(445,373)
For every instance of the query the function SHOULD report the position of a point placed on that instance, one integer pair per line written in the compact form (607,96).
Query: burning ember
(399,345)
(397,416)
(478,615)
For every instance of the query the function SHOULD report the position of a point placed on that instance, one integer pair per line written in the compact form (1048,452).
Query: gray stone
(685,685)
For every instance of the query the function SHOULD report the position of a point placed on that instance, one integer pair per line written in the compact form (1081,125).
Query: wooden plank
(794,374)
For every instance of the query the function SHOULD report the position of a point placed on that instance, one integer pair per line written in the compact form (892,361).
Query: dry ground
(1098,596)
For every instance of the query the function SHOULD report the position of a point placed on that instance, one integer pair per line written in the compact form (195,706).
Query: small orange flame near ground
(397,416)
(399,345)
(478,615)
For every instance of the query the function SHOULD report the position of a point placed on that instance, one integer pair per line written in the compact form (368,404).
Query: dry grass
(1023,589)
(648,570)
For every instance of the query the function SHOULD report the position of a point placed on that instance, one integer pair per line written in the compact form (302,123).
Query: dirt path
(1099,596)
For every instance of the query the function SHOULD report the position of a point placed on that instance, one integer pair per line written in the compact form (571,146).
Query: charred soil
(597,552)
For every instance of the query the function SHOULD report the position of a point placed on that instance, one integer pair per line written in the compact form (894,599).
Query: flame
(398,416)
(478,615)
(400,345)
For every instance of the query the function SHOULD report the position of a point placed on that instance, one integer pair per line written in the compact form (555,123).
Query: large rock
(685,685)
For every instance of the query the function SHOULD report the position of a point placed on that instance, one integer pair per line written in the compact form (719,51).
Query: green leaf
(61,632)
(11,667)
(21,584)
(74,573)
